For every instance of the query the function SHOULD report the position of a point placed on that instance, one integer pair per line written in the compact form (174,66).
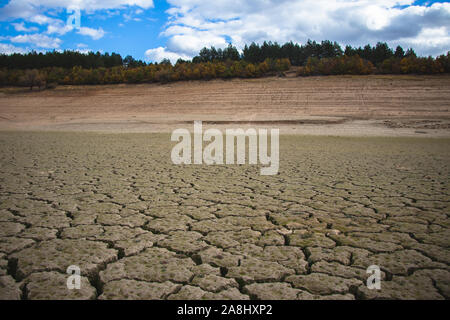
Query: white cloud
(20,27)
(160,53)
(28,8)
(377,17)
(7,48)
(430,41)
(193,24)
(196,23)
(41,19)
(83,51)
(39,40)
(129,17)
(60,29)
(190,44)
(83,48)
(42,12)
(93,33)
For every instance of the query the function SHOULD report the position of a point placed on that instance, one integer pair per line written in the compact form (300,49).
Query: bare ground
(361,105)
(140,227)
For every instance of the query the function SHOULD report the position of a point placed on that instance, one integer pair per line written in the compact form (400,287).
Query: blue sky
(155,29)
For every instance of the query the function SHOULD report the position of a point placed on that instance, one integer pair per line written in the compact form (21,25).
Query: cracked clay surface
(140,227)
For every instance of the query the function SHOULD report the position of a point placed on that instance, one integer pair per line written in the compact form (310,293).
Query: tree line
(312,58)
(159,72)
(65,59)
(355,65)
(298,55)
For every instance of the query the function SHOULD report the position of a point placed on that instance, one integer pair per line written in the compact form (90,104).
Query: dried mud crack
(140,227)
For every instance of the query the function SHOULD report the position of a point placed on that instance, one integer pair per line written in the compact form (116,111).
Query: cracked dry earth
(140,227)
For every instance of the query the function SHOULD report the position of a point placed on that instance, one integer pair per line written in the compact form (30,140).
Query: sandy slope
(361,105)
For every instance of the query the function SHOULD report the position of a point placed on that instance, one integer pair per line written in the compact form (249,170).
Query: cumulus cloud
(27,8)
(93,33)
(160,53)
(430,41)
(38,40)
(59,28)
(190,44)
(6,48)
(83,48)
(42,12)
(20,27)
(195,23)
